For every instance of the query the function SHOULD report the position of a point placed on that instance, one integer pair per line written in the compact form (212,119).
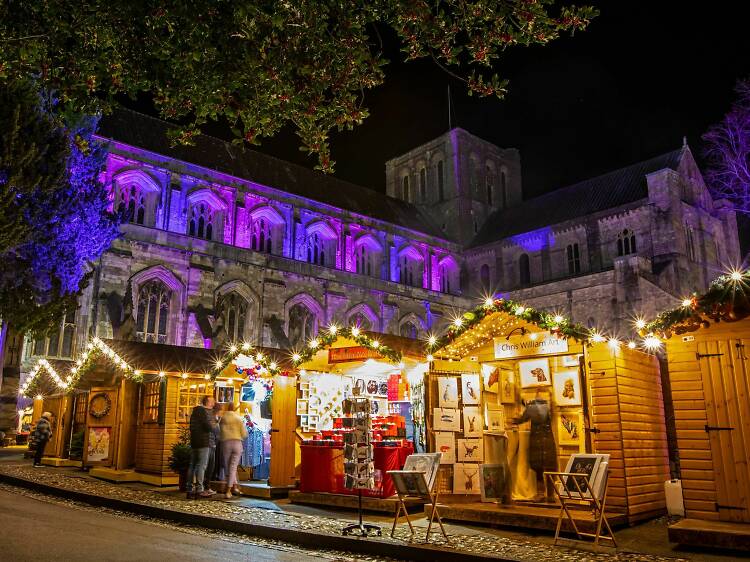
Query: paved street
(39,530)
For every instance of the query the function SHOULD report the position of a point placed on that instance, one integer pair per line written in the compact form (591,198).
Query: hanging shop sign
(347,354)
(534,343)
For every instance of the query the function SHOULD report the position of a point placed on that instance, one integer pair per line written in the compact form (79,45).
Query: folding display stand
(354,476)
(581,494)
(432,498)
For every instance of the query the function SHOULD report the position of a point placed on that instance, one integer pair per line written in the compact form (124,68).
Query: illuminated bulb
(333,329)
(432,340)
(296,357)
(533,336)
(206,376)
(430,358)
(686,303)
(314,343)
(640,323)
(652,342)
(375,344)
(259,357)
(458,322)
(233,349)
(218,364)
(272,365)
(488,302)
(38,397)
(162,374)
(302,372)
(520,310)
(184,375)
(736,275)
(245,346)
(631,344)
(355,331)
(74,370)
(614,343)
(558,319)
(137,373)
(79,362)
(597,338)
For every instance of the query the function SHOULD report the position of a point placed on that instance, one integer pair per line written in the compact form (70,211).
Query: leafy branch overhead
(265,64)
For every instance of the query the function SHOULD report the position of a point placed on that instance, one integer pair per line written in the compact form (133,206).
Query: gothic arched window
(153,312)
(361,321)
(524,269)
(132,206)
(363,259)
(626,243)
(489,180)
(574,259)
(261,236)
(408,330)
(201,221)
(301,325)
(235,310)
(316,250)
(410,271)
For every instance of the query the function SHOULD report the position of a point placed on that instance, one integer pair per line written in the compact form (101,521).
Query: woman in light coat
(232,432)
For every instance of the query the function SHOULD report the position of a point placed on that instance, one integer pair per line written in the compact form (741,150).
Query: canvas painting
(445,443)
(470,450)
(98,444)
(470,388)
(493,482)
(448,392)
(569,428)
(534,373)
(466,478)
(424,462)
(473,422)
(507,387)
(567,388)
(446,419)
(495,417)
(490,378)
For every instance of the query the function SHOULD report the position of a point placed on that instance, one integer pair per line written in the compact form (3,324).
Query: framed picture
(490,378)
(470,450)
(445,443)
(567,388)
(583,464)
(466,478)
(507,387)
(473,423)
(359,387)
(569,428)
(570,360)
(470,388)
(446,419)
(301,407)
(492,482)
(448,392)
(424,462)
(534,373)
(409,483)
(495,418)
(98,444)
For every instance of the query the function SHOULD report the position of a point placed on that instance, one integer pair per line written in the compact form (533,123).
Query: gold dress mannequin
(524,479)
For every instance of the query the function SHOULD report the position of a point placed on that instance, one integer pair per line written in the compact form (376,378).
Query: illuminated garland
(30,387)
(726,300)
(263,365)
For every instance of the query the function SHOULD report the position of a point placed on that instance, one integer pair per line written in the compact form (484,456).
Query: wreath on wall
(100,405)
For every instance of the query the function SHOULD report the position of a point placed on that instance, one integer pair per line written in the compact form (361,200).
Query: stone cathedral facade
(221,239)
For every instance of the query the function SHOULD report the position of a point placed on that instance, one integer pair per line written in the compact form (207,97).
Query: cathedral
(221,243)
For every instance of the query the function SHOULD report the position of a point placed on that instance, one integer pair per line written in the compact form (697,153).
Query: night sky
(643,75)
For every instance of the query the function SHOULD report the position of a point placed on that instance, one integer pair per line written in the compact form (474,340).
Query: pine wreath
(100,412)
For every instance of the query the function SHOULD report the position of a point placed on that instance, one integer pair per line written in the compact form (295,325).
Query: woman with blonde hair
(232,432)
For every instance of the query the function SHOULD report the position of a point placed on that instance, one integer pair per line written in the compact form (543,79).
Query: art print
(466,479)
(470,388)
(445,443)
(427,463)
(490,378)
(534,373)
(495,418)
(569,428)
(507,387)
(582,464)
(473,422)
(446,419)
(98,444)
(470,450)
(493,482)
(567,388)
(409,483)
(448,392)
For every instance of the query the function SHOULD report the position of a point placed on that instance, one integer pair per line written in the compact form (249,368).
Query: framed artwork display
(473,423)
(570,360)
(470,389)
(567,388)
(583,464)
(470,450)
(445,443)
(490,378)
(424,462)
(569,428)
(98,444)
(492,482)
(448,392)
(507,387)
(409,483)
(534,372)
(301,407)
(495,418)
(446,419)
(466,478)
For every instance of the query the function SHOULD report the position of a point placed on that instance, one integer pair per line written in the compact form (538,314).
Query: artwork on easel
(470,450)
(470,388)
(507,387)
(490,378)
(445,443)
(473,423)
(466,478)
(448,392)
(428,463)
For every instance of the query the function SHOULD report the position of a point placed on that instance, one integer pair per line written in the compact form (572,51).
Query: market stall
(706,341)
(512,393)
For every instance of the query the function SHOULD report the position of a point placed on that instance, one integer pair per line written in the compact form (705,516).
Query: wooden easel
(583,494)
(431,497)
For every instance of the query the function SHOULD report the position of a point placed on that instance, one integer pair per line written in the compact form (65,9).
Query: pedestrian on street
(213,438)
(41,435)
(201,426)
(233,433)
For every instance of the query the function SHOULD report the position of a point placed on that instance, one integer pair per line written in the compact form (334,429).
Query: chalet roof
(607,191)
(149,133)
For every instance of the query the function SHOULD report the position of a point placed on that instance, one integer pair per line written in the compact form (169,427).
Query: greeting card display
(448,392)
(470,388)
(359,467)
(473,423)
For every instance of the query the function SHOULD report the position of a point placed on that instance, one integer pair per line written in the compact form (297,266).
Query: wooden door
(54,405)
(724,372)
(283,431)
(101,427)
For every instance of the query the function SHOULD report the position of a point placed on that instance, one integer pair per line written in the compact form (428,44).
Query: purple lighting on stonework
(535,240)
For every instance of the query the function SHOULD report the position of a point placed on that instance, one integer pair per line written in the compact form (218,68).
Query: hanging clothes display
(253,450)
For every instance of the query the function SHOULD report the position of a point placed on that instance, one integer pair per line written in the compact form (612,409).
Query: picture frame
(97,444)
(583,463)
(470,389)
(427,463)
(569,428)
(466,478)
(446,419)
(470,450)
(570,360)
(302,407)
(473,423)
(567,386)
(410,483)
(507,387)
(448,392)
(495,418)
(535,373)
(490,378)
(445,443)
(493,482)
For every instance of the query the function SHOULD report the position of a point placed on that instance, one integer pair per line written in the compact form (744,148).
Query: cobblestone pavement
(480,543)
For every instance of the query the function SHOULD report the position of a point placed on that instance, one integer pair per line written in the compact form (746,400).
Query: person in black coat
(202,422)
(42,434)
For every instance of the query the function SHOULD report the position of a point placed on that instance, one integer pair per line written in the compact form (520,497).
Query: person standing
(233,433)
(201,426)
(213,438)
(41,436)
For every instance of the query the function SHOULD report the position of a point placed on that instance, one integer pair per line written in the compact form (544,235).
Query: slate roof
(608,191)
(149,133)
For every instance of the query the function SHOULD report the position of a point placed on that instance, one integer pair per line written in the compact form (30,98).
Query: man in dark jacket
(41,435)
(201,426)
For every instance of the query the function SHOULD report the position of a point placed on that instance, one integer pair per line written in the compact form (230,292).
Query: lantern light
(355,331)
(458,322)
(736,275)
(651,342)
(245,346)
(332,329)
(162,374)
(640,323)
(519,310)
(184,375)
(614,343)
(430,358)
(488,302)
(686,303)
(558,319)
(272,365)
(259,357)
(296,357)
(219,364)
(206,376)
(432,340)
(597,337)
(631,344)
(375,344)
(233,349)
(314,343)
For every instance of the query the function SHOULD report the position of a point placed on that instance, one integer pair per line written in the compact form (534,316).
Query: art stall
(127,403)
(514,393)
(339,457)
(707,344)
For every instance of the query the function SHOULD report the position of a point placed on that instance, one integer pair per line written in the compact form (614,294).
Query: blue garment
(252,454)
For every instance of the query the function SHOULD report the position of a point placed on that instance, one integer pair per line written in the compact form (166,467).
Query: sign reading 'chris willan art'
(535,343)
